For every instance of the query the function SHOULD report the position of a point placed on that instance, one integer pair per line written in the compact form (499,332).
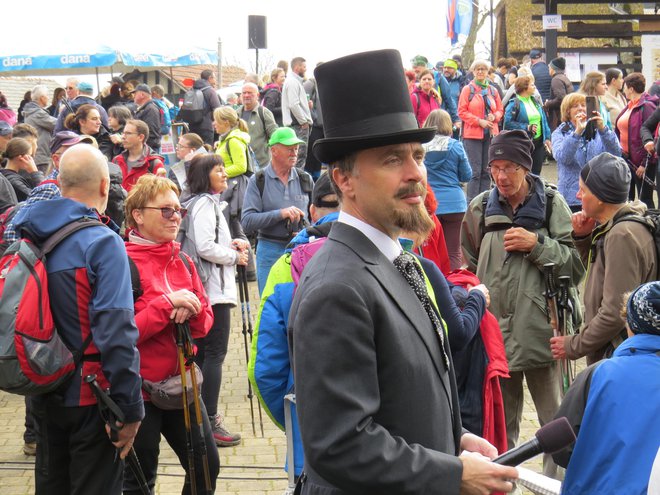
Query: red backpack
(33,358)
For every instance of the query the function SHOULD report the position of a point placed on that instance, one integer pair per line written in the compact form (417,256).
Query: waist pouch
(168,394)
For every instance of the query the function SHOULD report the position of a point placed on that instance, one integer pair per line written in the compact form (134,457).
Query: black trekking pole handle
(110,413)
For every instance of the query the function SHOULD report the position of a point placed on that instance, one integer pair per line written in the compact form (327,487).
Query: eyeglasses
(168,212)
(70,88)
(184,146)
(508,170)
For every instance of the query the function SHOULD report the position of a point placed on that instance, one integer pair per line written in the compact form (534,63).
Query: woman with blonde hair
(573,148)
(233,149)
(594,84)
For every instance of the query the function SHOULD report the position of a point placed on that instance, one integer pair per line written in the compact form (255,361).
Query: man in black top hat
(375,387)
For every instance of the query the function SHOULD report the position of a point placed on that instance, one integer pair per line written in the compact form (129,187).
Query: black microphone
(551,438)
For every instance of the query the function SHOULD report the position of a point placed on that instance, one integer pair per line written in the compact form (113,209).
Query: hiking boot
(223,438)
(30,448)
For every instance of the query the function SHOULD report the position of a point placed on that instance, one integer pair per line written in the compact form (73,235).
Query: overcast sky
(318,31)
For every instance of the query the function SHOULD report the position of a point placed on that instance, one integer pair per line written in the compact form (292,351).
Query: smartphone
(592,106)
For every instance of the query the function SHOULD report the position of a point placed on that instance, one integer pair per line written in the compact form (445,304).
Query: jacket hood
(269,86)
(44,218)
(158,252)
(237,133)
(201,83)
(303,236)
(31,108)
(645,343)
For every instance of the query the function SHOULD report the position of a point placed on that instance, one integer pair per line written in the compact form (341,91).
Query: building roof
(14,88)
(182,75)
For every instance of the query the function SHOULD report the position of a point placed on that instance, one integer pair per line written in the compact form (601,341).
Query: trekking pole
(551,297)
(186,412)
(110,413)
(552,309)
(189,354)
(242,276)
(241,292)
(566,310)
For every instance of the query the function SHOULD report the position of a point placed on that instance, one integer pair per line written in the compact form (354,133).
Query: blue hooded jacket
(90,291)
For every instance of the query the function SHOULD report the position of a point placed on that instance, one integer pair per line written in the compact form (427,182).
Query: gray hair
(39,91)
(251,85)
(479,63)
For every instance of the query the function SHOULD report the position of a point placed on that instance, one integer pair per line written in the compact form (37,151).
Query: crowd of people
(403,238)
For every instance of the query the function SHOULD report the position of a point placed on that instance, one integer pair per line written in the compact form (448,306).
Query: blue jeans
(268,252)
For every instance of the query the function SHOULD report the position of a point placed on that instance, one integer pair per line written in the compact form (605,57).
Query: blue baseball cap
(85,87)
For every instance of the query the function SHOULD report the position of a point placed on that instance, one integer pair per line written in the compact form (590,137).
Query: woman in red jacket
(170,292)
(425,98)
(480,109)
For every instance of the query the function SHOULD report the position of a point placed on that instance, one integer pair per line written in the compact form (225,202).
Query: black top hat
(366,104)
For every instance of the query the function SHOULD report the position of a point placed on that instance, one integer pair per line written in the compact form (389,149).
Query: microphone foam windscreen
(555,435)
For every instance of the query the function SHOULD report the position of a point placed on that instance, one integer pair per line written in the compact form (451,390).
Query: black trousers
(74,453)
(172,427)
(211,352)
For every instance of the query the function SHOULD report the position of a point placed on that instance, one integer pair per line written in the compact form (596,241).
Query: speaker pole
(257,63)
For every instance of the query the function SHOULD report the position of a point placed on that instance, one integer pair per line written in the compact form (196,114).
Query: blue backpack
(165,117)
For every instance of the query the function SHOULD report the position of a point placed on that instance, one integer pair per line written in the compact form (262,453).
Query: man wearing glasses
(138,158)
(509,233)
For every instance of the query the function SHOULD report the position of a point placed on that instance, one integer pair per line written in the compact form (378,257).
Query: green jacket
(517,284)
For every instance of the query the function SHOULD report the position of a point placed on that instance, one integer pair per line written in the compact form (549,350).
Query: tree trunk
(477,23)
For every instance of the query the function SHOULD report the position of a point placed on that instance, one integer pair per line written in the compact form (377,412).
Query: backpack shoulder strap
(185,260)
(261,181)
(136,285)
(550,192)
(49,244)
(260,111)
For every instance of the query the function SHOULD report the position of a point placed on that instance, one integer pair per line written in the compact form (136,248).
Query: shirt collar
(389,247)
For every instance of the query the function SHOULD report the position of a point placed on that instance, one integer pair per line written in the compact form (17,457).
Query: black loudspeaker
(257,31)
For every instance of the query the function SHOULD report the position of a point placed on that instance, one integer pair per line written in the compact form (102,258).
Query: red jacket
(161,272)
(434,247)
(471,108)
(152,163)
(423,104)
(494,429)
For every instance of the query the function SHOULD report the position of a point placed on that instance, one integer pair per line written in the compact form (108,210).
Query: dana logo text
(74,59)
(16,61)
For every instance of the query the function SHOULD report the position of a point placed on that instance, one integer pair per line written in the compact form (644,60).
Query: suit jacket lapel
(393,282)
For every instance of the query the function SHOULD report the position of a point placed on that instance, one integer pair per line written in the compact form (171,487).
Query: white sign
(551,21)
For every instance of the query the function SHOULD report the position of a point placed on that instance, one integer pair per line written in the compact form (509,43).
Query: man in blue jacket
(616,445)
(269,368)
(92,305)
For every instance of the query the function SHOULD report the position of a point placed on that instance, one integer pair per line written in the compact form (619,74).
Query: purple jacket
(640,113)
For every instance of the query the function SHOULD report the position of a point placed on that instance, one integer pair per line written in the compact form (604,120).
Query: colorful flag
(459,19)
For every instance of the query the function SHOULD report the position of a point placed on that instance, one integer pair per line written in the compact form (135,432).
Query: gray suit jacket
(378,411)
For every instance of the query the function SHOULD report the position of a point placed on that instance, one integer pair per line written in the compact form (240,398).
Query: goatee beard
(414,220)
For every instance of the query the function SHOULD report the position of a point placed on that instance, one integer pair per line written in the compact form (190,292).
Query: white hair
(39,91)
(251,85)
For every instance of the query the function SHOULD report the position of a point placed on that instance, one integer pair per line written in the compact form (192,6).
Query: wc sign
(551,22)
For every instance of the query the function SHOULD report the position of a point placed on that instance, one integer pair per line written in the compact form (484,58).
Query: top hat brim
(329,150)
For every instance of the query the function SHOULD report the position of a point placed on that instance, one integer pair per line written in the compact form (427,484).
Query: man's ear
(343,181)
(104,187)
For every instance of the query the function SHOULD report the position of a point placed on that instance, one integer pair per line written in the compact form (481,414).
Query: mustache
(411,189)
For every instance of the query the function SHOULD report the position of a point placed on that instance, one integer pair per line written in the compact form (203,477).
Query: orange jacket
(471,108)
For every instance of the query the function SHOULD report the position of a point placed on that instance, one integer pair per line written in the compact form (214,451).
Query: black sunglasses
(168,212)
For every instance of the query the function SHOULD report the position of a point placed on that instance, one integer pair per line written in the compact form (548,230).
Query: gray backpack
(186,237)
